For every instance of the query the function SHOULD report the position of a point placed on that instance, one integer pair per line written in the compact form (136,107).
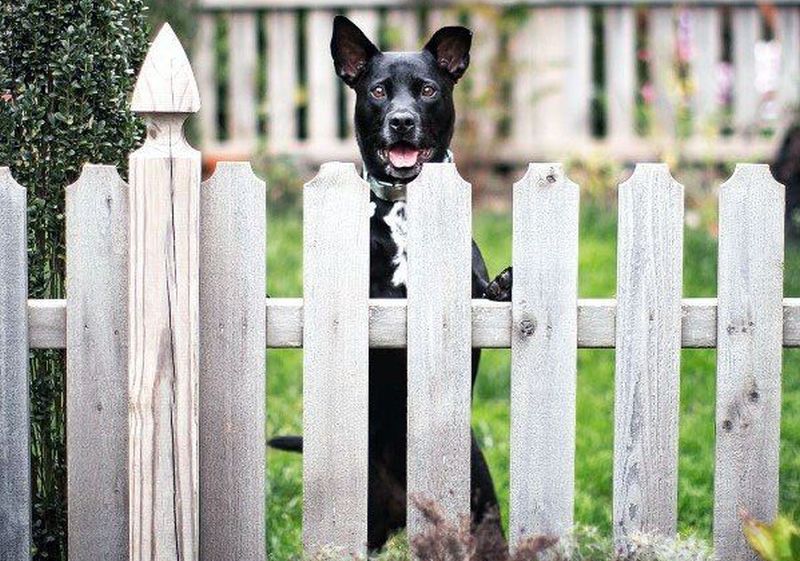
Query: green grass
(595,386)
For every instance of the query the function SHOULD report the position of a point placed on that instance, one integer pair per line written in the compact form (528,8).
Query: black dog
(404,117)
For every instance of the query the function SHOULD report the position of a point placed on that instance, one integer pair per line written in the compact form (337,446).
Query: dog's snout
(402,122)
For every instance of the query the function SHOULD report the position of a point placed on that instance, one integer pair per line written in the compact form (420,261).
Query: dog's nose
(402,122)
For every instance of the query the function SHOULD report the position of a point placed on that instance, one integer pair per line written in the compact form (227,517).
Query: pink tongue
(403,156)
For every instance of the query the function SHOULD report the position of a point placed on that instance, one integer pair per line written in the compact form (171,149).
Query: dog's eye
(428,91)
(378,92)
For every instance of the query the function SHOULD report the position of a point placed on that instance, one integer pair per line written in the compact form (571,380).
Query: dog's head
(404,113)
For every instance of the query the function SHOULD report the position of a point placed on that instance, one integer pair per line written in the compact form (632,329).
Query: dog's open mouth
(404,155)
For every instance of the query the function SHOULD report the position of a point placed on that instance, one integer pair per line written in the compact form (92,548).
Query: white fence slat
(242,72)
(15,481)
(749,355)
(544,353)
(403,27)
(662,69)
(789,36)
(706,53)
(578,72)
(97,365)
(322,84)
(439,339)
(746,29)
(282,80)
(163,311)
(648,343)
(619,35)
(335,363)
(232,364)
(369,22)
(523,87)
(205,64)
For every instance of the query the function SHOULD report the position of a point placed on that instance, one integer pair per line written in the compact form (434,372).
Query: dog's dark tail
(288,443)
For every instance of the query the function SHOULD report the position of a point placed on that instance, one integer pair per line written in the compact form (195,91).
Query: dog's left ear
(351,50)
(450,47)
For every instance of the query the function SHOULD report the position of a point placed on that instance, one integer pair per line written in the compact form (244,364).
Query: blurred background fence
(706,81)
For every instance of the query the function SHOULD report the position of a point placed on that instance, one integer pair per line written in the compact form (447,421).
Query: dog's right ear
(351,50)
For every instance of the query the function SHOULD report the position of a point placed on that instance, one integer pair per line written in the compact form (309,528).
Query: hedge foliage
(66,71)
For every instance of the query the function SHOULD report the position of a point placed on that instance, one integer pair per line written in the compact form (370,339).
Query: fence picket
(322,83)
(543,352)
(97,365)
(163,311)
(335,375)
(15,482)
(706,55)
(242,73)
(648,342)
(749,338)
(232,364)
(662,69)
(439,342)
(619,35)
(205,65)
(746,27)
(282,79)
(789,35)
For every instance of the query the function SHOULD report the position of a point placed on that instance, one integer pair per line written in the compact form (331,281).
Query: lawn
(595,385)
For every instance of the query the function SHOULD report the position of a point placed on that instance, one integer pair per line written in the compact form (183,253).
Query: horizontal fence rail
(717,86)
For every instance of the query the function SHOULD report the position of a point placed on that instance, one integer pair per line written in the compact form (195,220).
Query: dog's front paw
(499,289)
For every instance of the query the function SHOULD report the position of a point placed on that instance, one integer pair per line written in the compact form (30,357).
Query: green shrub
(779,541)
(66,70)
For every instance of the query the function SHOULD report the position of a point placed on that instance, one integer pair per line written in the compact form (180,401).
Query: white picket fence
(539,75)
(166,325)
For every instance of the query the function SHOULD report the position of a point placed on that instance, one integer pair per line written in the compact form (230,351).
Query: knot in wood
(527,327)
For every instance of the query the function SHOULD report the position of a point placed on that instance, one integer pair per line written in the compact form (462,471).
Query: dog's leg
(499,289)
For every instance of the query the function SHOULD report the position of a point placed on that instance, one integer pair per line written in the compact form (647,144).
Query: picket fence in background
(166,325)
(537,76)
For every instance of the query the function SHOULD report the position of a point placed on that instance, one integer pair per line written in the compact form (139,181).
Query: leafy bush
(779,541)
(66,69)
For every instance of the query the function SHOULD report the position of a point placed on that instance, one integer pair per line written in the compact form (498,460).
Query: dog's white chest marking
(396,220)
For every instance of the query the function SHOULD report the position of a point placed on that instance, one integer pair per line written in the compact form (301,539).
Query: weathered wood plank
(749,333)
(232,364)
(648,340)
(619,34)
(335,363)
(205,64)
(97,365)
(543,353)
(163,312)
(439,336)
(746,30)
(282,80)
(663,70)
(15,470)
(789,36)
(706,52)
(242,72)
(322,86)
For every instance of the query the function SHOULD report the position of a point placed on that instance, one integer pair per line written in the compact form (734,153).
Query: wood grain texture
(543,353)
(166,83)
(163,316)
(205,62)
(15,482)
(97,365)
(662,36)
(242,73)
(335,364)
(491,323)
(439,339)
(323,85)
(282,80)
(746,30)
(706,36)
(749,333)
(648,341)
(619,35)
(232,364)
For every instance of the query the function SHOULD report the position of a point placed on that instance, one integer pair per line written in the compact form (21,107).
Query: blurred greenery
(595,384)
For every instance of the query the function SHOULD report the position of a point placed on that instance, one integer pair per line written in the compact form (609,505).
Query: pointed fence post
(163,310)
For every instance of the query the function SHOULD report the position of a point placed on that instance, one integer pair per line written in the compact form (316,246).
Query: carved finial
(166,82)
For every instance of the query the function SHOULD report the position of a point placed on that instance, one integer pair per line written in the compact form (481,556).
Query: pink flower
(648,92)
